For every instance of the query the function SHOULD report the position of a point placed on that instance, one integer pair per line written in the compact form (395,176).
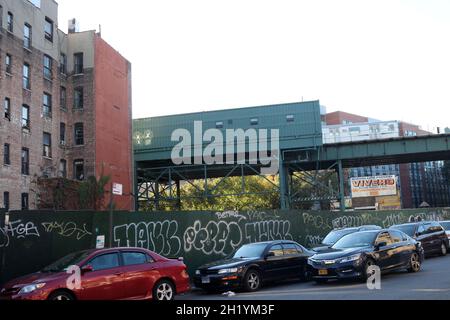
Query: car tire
(252,280)
(414,263)
(305,274)
(443,249)
(369,263)
(164,290)
(61,296)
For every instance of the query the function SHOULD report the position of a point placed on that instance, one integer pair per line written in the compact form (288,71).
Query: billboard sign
(374,186)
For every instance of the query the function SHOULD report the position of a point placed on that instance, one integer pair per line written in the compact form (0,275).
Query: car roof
(272,242)
(416,223)
(357,228)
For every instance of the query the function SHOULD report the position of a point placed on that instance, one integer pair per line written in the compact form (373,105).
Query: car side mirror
(268,255)
(86,269)
(381,245)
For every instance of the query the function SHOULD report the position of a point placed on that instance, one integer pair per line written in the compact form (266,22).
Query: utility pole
(111,216)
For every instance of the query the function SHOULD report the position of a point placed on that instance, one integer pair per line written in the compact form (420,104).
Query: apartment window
(79,134)
(219,125)
(62,134)
(63,169)
(10,22)
(26,76)
(63,98)
(6,154)
(78,169)
(26,117)
(78,101)
(63,63)
(25,161)
(25,199)
(48,64)
(48,29)
(47,105)
(78,63)
(47,145)
(27,36)
(6,200)
(7,108)
(8,63)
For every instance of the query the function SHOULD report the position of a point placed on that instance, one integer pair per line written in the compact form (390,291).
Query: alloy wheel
(369,264)
(253,281)
(415,262)
(443,249)
(164,292)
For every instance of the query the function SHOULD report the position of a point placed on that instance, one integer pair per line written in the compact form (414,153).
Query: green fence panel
(33,240)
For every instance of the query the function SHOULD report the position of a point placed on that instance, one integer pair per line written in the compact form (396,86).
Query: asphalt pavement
(432,283)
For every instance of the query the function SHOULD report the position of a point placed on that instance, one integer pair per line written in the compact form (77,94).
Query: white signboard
(100,243)
(117,189)
(374,186)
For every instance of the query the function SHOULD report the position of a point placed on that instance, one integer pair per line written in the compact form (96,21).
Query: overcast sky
(386,59)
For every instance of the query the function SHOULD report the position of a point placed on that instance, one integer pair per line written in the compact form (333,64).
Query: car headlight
(32,287)
(355,257)
(197,272)
(230,270)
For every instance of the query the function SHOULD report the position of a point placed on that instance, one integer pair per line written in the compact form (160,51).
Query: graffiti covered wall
(30,241)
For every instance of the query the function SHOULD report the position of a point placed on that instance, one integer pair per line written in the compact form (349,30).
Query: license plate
(323,272)
(206,280)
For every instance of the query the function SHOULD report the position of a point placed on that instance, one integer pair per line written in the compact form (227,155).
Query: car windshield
(409,229)
(250,251)
(335,235)
(356,240)
(64,263)
(446,225)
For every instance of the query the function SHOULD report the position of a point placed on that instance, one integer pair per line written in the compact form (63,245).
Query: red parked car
(106,274)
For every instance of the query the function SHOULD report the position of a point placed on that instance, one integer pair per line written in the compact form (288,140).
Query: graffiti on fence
(316,221)
(17,230)
(268,231)
(219,238)
(66,229)
(160,237)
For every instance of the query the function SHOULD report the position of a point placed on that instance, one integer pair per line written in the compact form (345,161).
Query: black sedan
(431,234)
(355,253)
(337,234)
(254,264)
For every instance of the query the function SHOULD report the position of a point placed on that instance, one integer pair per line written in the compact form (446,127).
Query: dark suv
(430,233)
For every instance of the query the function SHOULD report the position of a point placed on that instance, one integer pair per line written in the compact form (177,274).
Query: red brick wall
(113,120)
(338,117)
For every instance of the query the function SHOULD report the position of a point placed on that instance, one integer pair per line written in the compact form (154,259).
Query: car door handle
(118,273)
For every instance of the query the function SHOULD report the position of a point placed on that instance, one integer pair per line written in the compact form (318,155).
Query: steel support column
(284,186)
(341,185)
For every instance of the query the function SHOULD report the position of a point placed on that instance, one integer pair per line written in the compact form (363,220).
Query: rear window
(409,229)
(134,258)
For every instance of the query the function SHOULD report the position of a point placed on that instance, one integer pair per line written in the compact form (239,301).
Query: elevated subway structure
(158,180)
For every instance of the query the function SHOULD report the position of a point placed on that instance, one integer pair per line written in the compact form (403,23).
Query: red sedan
(106,274)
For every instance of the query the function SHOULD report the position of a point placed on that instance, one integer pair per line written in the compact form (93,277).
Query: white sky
(386,59)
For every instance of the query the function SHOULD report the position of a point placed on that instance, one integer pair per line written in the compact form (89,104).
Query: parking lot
(432,283)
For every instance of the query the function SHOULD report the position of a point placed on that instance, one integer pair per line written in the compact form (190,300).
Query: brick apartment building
(419,182)
(65,102)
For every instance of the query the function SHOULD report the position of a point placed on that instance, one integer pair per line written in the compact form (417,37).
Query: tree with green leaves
(92,192)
